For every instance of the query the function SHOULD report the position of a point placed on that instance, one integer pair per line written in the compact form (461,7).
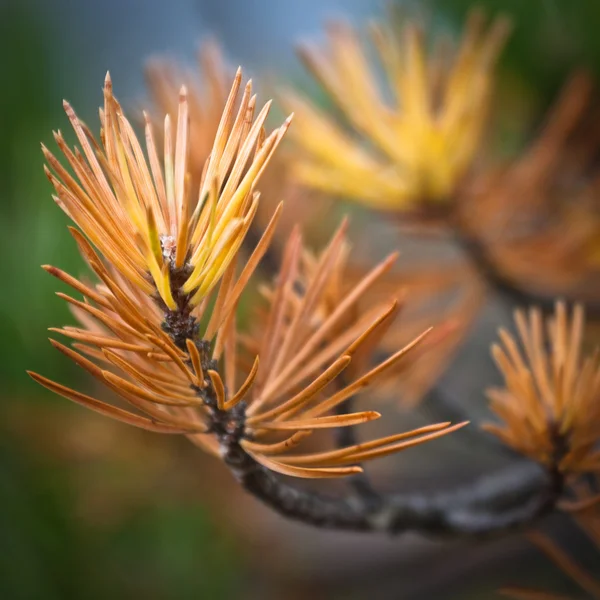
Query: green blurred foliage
(32,228)
(550,38)
(166,550)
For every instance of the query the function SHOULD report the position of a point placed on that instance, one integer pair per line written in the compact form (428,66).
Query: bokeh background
(93,509)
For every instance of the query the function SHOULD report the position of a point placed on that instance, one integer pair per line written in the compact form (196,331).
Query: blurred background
(93,509)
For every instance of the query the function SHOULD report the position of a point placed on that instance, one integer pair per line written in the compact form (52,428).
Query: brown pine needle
(245,387)
(196,362)
(77,285)
(173,354)
(98,340)
(302,472)
(218,387)
(106,409)
(364,381)
(561,560)
(380,452)
(317,458)
(278,447)
(551,392)
(306,394)
(387,315)
(322,422)
(312,344)
(308,300)
(122,385)
(519,593)
(582,504)
(150,381)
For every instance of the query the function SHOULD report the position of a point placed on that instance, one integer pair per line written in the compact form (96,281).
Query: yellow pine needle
(224,289)
(207,222)
(422,143)
(239,130)
(246,274)
(234,191)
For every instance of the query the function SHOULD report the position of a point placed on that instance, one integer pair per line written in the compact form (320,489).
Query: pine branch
(494,503)
(507,500)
